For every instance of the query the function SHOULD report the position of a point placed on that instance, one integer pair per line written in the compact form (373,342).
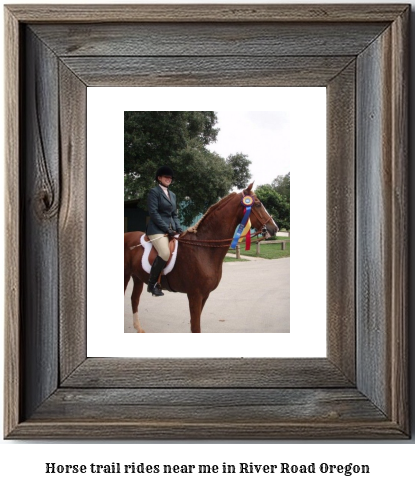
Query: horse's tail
(131,242)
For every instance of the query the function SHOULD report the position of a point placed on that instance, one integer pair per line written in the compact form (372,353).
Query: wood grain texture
(341,258)
(208,414)
(382,246)
(206,13)
(212,405)
(188,430)
(206,373)
(13,383)
(399,226)
(72,222)
(207,71)
(373,221)
(40,177)
(229,39)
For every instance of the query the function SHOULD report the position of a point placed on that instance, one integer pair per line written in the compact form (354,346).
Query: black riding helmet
(164,171)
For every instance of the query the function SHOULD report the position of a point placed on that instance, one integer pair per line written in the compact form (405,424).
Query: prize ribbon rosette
(244,227)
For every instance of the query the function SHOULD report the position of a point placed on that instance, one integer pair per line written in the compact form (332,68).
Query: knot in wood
(46,204)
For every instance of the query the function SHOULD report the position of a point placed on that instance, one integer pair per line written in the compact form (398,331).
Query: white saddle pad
(147,248)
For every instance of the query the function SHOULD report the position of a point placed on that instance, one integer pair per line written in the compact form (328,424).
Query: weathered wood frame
(359,52)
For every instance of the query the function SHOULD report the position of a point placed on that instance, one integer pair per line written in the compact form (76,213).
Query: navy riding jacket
(163,212)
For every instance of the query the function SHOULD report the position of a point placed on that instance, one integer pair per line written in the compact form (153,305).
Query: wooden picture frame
(360,53)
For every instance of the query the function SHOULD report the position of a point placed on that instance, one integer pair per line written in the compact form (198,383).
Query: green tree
(240,167)
(202,179)
(276,204)
(282,185)
(179,140)
(152,139)
(130,192)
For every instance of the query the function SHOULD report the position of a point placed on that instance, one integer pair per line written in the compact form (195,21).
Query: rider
(162,208)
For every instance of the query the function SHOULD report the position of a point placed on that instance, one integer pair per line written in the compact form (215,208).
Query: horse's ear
(249,189)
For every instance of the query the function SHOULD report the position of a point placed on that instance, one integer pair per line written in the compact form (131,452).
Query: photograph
(204,192)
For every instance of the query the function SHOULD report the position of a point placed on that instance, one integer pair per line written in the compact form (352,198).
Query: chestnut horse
(202,249)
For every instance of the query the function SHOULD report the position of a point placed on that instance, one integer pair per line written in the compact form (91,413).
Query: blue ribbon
(240,228)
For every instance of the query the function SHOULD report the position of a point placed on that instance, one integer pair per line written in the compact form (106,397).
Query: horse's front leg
(196,304)
(135,300)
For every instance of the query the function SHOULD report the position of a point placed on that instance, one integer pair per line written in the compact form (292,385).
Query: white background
(22,463)
(306,109)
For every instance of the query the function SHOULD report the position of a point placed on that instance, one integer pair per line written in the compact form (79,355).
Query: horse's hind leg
(126,281)
(135,300)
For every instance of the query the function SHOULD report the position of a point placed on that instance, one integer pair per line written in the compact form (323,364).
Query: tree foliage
(282,185)
(240,167)
(179,140)
(276,199)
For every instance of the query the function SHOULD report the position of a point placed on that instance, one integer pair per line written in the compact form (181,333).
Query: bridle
(263,231)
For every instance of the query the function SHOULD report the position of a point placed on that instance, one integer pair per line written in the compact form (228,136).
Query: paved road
(252,296)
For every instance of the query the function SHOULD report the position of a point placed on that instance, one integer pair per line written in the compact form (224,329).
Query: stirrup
(155,290)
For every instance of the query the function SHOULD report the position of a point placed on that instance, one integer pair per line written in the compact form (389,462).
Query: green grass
(267,251)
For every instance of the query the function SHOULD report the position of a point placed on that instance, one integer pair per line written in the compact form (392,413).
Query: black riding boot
(156,269)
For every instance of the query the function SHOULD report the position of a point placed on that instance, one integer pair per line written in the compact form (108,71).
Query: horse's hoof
(136,323)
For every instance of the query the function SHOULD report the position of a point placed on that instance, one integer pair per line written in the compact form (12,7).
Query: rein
(217,242)
(209,243)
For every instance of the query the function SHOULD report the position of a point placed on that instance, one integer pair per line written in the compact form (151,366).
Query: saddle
(150,254)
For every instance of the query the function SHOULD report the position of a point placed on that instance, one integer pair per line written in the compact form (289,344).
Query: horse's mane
(211,209)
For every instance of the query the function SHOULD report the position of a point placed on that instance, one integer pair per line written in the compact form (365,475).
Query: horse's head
(260,218)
